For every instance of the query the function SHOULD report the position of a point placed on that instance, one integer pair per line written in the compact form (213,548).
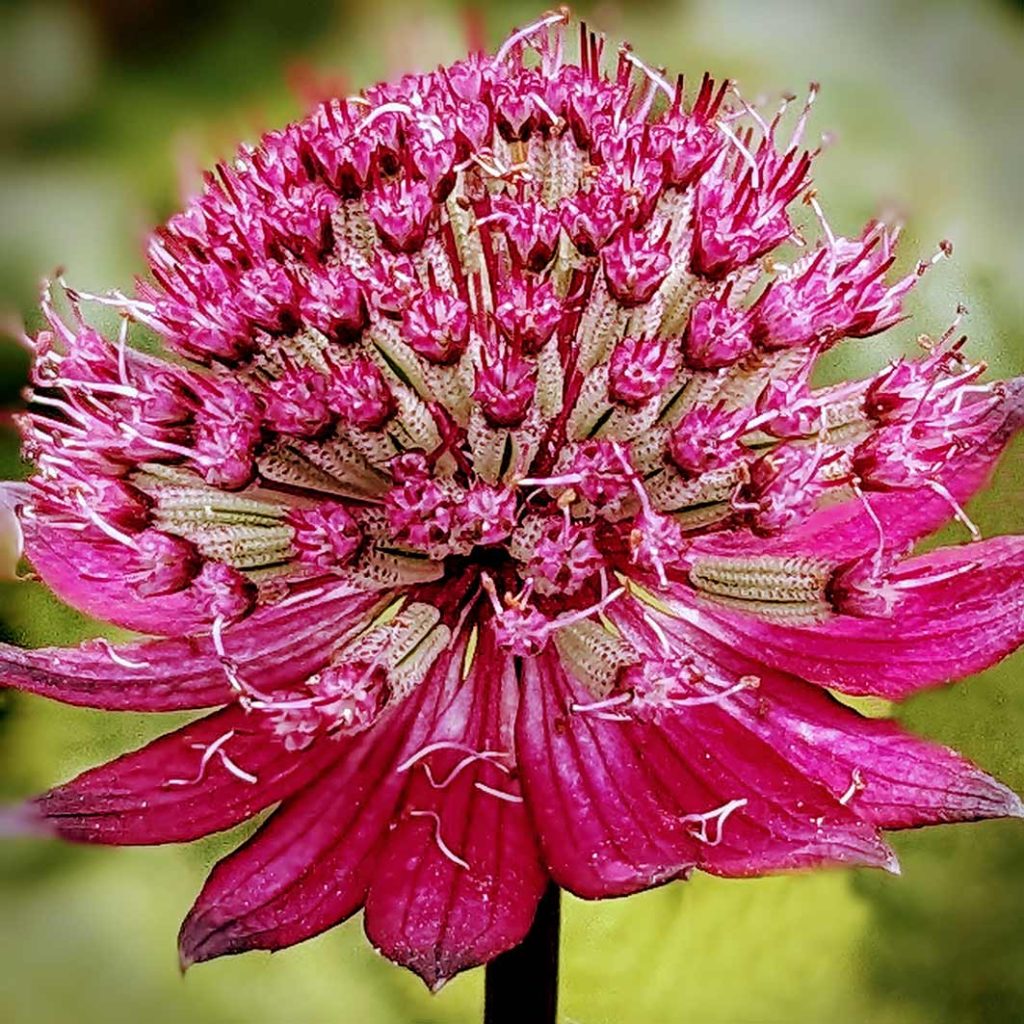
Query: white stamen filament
(487,755)
(746,683)
(246,690)
(216,748)
(666,647)
(718,816)
(856,785)
(571,618)
(656,79)
(118,659)
(879,554)
(101,524)
(801,125)
(812,201)
(958,512)
(601,705)
(299,598)
(459,768)
(513,40)
(937,577)
(445,849)
(384,108)
(99,387)
(122,353)
(500,794)
(748,157)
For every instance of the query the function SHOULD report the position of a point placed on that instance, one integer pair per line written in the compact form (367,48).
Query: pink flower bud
(296,403)
(640,368)
(717,335)
(326,536)
(635,266)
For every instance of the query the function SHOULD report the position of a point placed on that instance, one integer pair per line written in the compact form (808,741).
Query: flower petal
(883,774)
(208,776)
(275,645)
(309,866)
(967,618)
(627,802)
(605,828)
(95,581)
(459,877)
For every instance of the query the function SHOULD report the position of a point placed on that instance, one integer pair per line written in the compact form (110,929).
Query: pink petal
(59,556)
(309,866)
(883,774)
(274,646)
(164,793)
(459,878)
(618,802)
(970,617)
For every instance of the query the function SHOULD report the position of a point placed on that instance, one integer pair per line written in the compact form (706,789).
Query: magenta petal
(309,866)
(884,775)
(459,877)
(164,793)
(965,621)
(61,560)
(275,645)
(605,828)
(625,804)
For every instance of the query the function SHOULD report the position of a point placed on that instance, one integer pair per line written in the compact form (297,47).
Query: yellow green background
(108,107)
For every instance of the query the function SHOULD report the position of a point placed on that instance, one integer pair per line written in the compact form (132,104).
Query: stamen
(98,387)
(857,783)
(122,354)
(487,755)
(755,174)
(666,647)
(879,554)
(384,108)
(746,683)
(601,705)
(235,770)
(958,512)
(812,201)
(209,751)
(718,817)
(118,659)
(557,18)
(111,531)
(299,598)
(656,79)
(752,111)
(565,480)
(801,125)
(508,797)
(937,577)
(570,618)
(462,765)
(445,849)
(246,690)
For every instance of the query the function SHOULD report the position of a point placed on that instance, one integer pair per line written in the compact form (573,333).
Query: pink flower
(479,504)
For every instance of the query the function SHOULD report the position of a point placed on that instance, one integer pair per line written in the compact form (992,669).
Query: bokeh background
(109,107)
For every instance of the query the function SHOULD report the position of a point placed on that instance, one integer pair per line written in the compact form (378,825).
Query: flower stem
(522,984)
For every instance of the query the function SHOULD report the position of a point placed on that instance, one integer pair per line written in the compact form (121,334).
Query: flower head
(482,489)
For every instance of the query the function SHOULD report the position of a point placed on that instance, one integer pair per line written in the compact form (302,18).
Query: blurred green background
(109,107)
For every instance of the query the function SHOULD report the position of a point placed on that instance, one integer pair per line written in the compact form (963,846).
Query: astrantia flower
(484,491)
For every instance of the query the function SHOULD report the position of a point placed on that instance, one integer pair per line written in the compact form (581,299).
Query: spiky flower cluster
(484,462)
